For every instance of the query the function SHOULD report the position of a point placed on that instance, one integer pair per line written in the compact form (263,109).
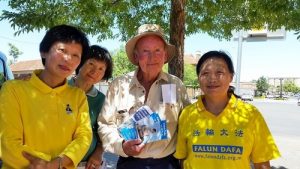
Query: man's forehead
(150,38)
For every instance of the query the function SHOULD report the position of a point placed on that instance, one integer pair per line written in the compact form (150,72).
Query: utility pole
(239,63)
(280,95)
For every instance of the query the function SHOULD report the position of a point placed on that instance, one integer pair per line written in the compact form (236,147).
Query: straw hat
(144,30)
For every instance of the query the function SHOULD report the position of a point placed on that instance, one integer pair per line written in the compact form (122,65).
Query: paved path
(283,119)
(290,153)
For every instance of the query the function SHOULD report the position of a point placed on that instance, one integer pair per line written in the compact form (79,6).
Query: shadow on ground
(280,167)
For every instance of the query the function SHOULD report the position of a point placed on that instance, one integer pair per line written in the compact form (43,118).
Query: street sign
(264,34)
(254,35)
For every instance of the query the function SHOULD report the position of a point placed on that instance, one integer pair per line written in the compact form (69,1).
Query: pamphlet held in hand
(145,125)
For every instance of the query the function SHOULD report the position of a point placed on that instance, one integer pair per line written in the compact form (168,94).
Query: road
(283,119)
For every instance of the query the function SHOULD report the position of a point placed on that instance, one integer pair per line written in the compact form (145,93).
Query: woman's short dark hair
(65,34)
(101,54)
(215,54)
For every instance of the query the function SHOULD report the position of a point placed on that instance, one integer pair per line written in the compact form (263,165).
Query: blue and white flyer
(145,125)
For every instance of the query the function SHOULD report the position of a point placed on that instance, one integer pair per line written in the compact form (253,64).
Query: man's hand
(133,147)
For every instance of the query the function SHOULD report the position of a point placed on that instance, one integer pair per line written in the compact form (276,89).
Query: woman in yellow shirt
(45,122)
(220,130)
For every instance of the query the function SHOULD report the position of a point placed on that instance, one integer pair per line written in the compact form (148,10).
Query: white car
(247,97)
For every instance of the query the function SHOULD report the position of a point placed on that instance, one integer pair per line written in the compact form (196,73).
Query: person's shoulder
(100,94)
(75,89)
(247,109)
(124,78)
(245,105)
(172,78)
(16,86)
(187,111)
(191,106)
(15,83)
(129,75)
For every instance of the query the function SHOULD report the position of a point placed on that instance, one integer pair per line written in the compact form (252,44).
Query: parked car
(247,97)
(5,72)
(270,96)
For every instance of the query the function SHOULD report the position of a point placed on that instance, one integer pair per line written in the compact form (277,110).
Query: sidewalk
(290,153)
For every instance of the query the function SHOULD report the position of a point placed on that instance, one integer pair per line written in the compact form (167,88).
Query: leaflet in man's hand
(144,124)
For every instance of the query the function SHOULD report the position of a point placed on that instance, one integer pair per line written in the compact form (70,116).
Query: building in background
(23,69)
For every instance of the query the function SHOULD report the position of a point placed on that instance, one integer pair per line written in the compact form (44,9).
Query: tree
(190,76)
(262,85)
(298,33)
(14,52)
(179,18)
(121,63)
(290,86)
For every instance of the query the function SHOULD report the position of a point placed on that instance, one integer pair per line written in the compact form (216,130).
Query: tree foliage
(121,63)
(298,33)
(14,51)
(190,76)
(262,85)
(290,86)
(101,17)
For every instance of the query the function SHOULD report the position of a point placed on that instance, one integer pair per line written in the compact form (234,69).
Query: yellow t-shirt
(43,121)
(228,141)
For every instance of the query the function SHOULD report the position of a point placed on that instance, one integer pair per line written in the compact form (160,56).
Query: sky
(271,58)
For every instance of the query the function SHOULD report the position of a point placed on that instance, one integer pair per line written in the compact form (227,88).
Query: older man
(149,51)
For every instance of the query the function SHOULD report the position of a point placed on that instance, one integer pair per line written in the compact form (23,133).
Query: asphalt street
(283,119)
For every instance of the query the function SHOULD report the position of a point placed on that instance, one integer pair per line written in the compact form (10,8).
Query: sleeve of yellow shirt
(264,148)
(12,128)
(181,151)
(82,136)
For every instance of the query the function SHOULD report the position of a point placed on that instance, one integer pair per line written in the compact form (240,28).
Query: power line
(15,40)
